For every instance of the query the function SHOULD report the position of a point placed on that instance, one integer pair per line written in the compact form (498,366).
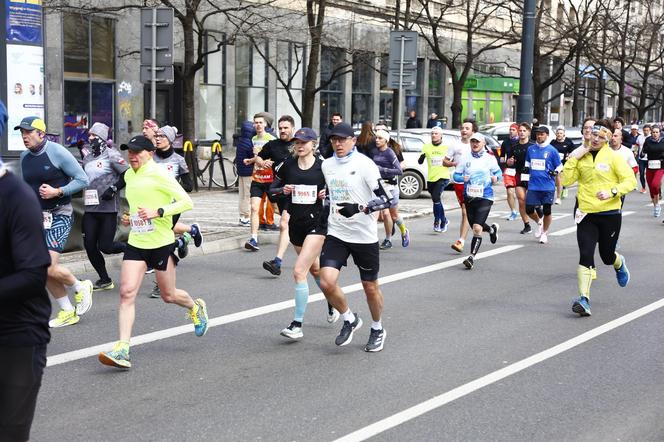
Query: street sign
(402,64)
(164,36)
(409,81)
(164,74)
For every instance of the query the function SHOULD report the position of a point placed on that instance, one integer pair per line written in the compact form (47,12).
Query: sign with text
(24,21)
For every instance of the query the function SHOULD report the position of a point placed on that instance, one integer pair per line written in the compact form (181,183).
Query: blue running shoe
(512,216)
(436,226)
(405,238)
(196,234)
(252,245)
(657,211)
(581,306)
(622,274)
(198,315)
(444,228)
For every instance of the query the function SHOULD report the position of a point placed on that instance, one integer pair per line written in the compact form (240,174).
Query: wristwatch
(160,211)
(361,208)
(614,192)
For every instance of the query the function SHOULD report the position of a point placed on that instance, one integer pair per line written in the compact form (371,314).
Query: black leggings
(598,229)
(643,165)
(478,210)
(98,235)
(436,189)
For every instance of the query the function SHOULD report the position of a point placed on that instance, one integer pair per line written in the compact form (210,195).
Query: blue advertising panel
(24,21)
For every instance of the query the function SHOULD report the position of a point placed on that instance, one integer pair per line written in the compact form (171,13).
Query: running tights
(597,229)
(98,235)
(478,211)
(436,189)
(654,177)
(643,164)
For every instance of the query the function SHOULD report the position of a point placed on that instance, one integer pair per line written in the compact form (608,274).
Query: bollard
(216,147)
(193,161)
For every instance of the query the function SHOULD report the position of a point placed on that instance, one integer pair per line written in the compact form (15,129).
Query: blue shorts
(56,237)
(540,197)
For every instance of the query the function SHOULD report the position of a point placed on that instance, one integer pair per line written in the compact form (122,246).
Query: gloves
(348,209)
(109,193)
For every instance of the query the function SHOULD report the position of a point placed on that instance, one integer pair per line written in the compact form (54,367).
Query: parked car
(501,131)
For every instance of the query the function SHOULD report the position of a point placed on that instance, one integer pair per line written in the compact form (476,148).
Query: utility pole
(524,104)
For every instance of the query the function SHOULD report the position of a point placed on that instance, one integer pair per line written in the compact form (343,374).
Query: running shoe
(386,244)
(557,201)
(155,293)
(262,227)
(196,234)
(273,267)
(526,229)
(293,331)
(183,245)
(469,262)
(118,357)
(64,319)
(405,238)
(564,193)
(244,222)
(376,340)
(543,238)
(103,285)
(493,234)
(199,316)
(84,298)
(581,306)
(622,274)
(458,246)
(332,316)
(512,216)
(346,333)
(445,226)
(643,190)
(436,226)
(540,229)
(252,245)
(657,211)
(272,227)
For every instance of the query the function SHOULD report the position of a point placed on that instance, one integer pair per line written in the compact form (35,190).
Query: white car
(501,131)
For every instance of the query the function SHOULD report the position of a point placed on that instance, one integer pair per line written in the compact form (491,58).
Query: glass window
(331,97)
(250,80)
(77,111)
(411,144)
(212,97)
(362,100)
(413,97)
(291,64)
(76,53)
(103,48)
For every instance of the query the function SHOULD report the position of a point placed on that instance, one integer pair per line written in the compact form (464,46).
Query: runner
(389,168)
(103,167)
(543,166)
(304,185)
(510,180)
(603,177)
(564,146)
(653,149)
(354,186)
(642,158)
(55,175)
(438,176)
(478,170)
(516,159)
(154,196)
(454,155)
(626,153)
(397,220)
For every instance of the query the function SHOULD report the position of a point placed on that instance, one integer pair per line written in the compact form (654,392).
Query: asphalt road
(457,365)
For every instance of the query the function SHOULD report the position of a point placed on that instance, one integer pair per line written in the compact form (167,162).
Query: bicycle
(206,157)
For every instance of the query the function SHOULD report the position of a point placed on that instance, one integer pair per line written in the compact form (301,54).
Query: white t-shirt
(351,181)
(626,153)
(457,151)
(641,141)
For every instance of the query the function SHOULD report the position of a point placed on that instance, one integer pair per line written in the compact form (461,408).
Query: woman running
(304,184)
(603,177)
(653,149)
(103,166)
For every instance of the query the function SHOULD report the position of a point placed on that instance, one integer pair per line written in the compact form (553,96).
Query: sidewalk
(216,211)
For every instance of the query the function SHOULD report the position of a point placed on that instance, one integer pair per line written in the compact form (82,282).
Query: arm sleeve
(421,159)
(394,169)
(118,163)
(626,178)
(120,183)
(459,172)
(182,201)
(68,164)
(570,172)
(495,169)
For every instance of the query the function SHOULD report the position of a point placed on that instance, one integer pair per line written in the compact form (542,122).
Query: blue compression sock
(317,279)
(301,298)
(438,211)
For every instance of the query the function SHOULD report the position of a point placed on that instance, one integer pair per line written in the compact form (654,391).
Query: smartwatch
(160,211)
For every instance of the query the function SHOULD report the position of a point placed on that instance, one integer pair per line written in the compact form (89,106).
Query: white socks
(65,304)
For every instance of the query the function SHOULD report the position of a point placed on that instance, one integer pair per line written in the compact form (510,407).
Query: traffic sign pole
(153,71)
(400,103)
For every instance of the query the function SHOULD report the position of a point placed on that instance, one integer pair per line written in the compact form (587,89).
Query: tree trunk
(538,91)
(575,91)
(188,80)
(315,32)
(457,104)
(601,91)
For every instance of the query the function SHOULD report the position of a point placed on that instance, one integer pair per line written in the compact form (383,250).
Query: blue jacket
(245,149)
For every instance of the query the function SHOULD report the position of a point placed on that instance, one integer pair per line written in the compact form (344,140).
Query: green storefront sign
(482,98)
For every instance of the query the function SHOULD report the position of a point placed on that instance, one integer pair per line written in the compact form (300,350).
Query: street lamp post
(524,104)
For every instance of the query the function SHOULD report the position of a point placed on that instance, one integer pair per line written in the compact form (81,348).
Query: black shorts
(298,230)
(478,210)
(366,256)
(256,190)
(20,379)
(176,218)
(155,258)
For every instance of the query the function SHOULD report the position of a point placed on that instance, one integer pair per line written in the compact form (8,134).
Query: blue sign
(24,21)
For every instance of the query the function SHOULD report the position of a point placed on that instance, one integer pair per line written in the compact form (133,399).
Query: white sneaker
(543,238)
(84,298)
(557,201)
(333,317)
(540,229)
(292,331)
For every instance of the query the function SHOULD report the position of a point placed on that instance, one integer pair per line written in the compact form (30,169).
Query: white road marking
(75,355)
(465,389)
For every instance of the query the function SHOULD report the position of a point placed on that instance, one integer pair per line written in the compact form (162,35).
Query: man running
(154,196)
(516,159)
(354,187)
(55,175)
(454,155)
(438,176)
(543,166)
(509,173)
(642,158)
(603,177)
(564,146)
(478,170)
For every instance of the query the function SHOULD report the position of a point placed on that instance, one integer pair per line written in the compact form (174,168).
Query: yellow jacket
(606,171)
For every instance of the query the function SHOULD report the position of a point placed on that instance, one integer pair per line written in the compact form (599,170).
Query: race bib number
(91,198)
(141,226)
(654,164)
(47,218)
(538,164)
(510,171)
(578,216)
(304,194)
(602,167)
(525,177)
(436,161)
(475,190)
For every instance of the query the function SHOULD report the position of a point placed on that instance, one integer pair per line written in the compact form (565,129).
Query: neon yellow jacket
(434,156)
(152,187)
(606,171)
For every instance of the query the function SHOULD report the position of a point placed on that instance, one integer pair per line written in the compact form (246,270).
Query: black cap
(541,129)
(342,130)
(138,143)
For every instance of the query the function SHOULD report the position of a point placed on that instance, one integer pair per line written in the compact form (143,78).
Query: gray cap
(477,136)
(99,129)
(170,132)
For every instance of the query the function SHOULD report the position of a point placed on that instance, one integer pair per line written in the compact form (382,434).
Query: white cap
(477,136)
(383,134)
(634,126)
